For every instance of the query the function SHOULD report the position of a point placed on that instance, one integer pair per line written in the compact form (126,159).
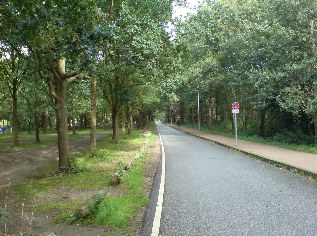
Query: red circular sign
(235,105)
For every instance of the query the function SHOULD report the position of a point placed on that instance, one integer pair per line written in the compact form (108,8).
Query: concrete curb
(278,164)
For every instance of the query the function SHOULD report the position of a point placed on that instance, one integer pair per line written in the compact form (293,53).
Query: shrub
(291,137)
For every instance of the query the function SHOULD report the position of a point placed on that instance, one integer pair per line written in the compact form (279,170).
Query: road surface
(210,190)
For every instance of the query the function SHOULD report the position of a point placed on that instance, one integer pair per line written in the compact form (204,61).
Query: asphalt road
(210,190)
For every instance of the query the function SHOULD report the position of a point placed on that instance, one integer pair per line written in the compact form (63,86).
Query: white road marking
(159,204)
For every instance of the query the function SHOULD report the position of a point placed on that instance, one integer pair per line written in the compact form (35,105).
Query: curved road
(210,190)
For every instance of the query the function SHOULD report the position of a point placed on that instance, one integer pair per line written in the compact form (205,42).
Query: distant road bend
(210,190)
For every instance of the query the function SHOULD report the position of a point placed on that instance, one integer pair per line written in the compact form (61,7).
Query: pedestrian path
(296,160)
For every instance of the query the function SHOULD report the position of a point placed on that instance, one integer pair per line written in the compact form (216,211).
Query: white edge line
(159,204)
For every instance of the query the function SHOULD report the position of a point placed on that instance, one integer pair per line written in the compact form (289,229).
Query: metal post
(198,113)
(236,127)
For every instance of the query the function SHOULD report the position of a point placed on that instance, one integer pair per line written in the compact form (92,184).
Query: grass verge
(116,207)
(27,141)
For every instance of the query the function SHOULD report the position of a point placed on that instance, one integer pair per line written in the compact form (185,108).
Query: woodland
(68,65)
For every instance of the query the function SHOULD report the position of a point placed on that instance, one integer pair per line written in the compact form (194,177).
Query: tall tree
(53,32)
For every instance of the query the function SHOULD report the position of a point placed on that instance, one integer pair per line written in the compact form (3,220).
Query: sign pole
(198,112)
(235,110)
(236,127)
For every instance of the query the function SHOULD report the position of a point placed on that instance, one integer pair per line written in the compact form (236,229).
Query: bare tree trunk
(130,120)
(74,125)
(115,123)
(37,127)
(124,118)
(262,123)
(105,122)
(315,125)
(93,119)
(30,125)
(73,118)
(62,125)
(217,112)
(50,122)
(15,112)
(44,122)
(58,88)
(210,113)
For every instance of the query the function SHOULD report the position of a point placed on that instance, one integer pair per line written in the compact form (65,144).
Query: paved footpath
(300,160)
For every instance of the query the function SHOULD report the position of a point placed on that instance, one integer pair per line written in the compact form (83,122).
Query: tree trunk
(58,87)
(50,122)
(81,122)
(73,118)
(115,123)
(130,120)
(245,123)
(37,127)
(105,122)
(62,125)
(74,125)
(30,125)
(15,112)
(315,125)
(44,122)
(262,123)
(86,121)
(124,118)
(93,117)
(217,112)
(227,109)
(210,113)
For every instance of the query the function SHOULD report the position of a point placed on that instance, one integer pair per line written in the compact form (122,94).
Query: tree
(259,52)
(53,32)
(135,39)
(11,68)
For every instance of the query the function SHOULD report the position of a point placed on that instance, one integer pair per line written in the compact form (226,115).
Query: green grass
(89,179)
(94,171)
(67,216)
(257,139)
(118,211)
(27,141)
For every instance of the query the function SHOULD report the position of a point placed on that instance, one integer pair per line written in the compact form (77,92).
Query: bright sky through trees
(182,11)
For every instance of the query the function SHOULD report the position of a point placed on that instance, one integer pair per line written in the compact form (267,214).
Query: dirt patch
(21,166)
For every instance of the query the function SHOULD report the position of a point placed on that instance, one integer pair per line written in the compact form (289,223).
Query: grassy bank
(87,196)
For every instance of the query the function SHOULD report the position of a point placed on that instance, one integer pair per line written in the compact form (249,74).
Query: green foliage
(290,137)
(62,206)
(260,53)
(4,215)
(117,211)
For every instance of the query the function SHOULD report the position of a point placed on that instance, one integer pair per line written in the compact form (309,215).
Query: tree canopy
(87,63)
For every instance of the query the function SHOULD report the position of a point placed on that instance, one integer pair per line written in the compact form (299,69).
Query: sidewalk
(295,161)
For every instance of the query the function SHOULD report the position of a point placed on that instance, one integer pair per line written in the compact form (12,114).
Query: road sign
(235,106)
(235,110)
